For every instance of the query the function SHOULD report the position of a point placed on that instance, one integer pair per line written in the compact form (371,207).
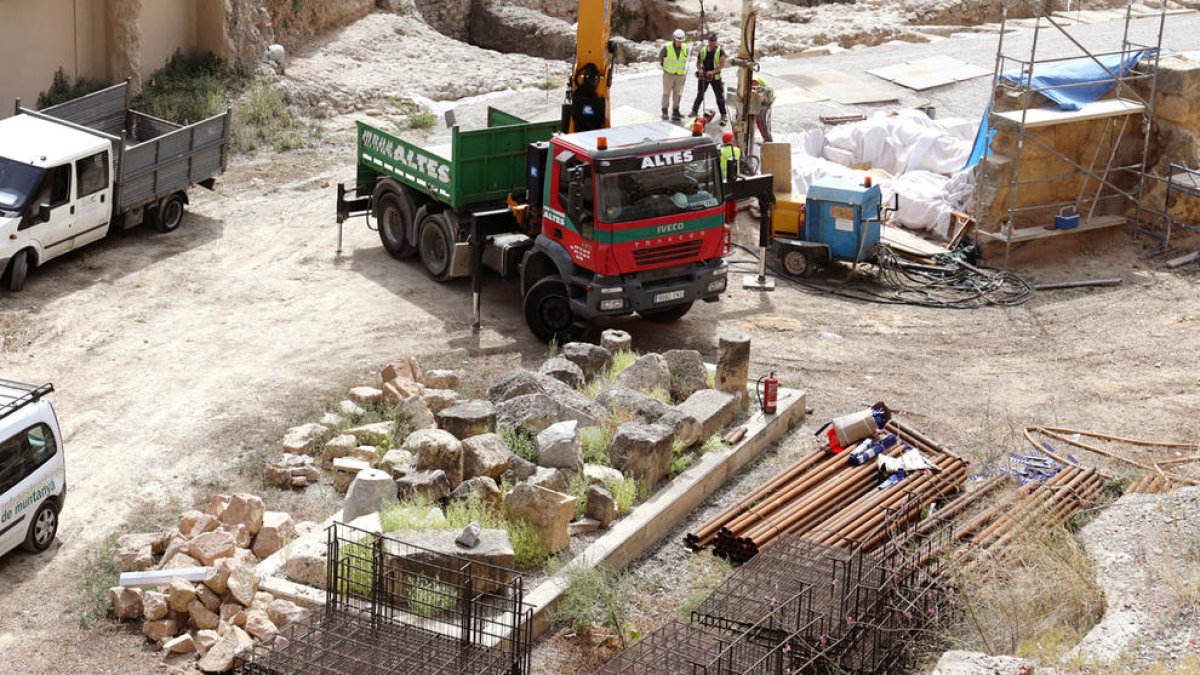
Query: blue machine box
(844,215)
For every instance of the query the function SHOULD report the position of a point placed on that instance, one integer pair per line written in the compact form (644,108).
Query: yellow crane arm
(587,107)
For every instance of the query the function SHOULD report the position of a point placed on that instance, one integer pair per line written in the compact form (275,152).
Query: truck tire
(42,528)
(18,269)
(435,243)
(169,214)
(396,213)
(548,312)
(667,315)
(796,263)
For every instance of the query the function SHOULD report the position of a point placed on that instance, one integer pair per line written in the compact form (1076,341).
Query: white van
(33,476)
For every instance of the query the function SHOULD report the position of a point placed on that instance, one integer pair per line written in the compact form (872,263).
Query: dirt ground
(177,357)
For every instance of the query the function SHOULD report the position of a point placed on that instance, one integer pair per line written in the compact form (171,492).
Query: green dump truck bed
(478,166)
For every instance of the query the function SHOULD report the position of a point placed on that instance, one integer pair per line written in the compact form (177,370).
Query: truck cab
(55,192)
(634,220)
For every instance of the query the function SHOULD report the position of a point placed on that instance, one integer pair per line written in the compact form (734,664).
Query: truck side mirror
(43,213)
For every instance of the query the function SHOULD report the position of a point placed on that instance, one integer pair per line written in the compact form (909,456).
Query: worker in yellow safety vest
(709,62)
(674,59)
(729,151)
(763,94)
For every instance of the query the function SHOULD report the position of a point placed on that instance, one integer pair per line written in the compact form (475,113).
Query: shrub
(527,545)
(577,488)
(356,562)
(189,88)
(624,492)
(98,575)
(520,442)
(62,89)
(422,120)
(261,118)
(408,515)
(595,442)
(593,599)
(429,597)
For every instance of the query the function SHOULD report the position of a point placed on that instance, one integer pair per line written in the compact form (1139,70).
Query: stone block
(688,374)
(338,446)
(733,364)
(647,374)
(126,602)
(163,629)
(616,341)
(601,506)
(376,433)
(642,451)
(244,509)
(551,479)
(183,644)
(516,383)
(713,409)
(436,449)
(563,370)
(344,471)
(210,546)
(428,485)
(396,461)
(438,400)
(366,395)
(591,359)
(404,366)
(548,511)
(302,440)
(559,446)
(493,550)
(482,488)
(369,491)
(443,379)
(468,418)
(485,455)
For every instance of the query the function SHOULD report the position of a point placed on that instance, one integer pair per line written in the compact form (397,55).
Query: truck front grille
(657,255)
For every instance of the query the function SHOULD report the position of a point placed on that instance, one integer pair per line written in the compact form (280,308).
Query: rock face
(714,410)
(369,491)
(590,358)
(505,28)
(485,455)
(435,449)
(688,374)
(733,364)
(642,451)
(563,370)
(559,447)
(468,418)
(548,511)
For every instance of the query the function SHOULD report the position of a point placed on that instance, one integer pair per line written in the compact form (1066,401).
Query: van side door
(30,472)
(93,198)
(55,235)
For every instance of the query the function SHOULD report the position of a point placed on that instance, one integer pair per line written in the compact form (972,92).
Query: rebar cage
(394,607)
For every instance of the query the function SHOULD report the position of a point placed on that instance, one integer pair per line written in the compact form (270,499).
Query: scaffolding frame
(1103,175)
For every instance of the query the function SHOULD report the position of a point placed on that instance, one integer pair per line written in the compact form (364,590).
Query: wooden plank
(151,578)
(1183,260)
(1032,233)
(902,240)
(1044,117)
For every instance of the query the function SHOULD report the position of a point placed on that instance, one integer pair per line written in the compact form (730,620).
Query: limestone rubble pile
(214,619)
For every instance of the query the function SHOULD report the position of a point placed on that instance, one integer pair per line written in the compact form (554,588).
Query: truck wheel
(796,263)
(395,215)
(170,214)
(667,315)
(434,243)
(18,269)
(42,529)
(548,312)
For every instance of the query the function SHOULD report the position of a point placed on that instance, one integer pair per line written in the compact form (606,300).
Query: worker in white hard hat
(673,58)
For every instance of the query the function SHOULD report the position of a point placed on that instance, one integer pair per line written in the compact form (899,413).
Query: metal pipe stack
(830,501)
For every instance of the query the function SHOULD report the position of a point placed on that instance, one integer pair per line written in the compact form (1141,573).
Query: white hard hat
(679,34)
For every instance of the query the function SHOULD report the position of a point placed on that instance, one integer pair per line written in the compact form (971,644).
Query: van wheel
(434,243)
(42,529)
(170,214)
(548,312)
(796,263)
(667,315)
(18,269)
(395,216)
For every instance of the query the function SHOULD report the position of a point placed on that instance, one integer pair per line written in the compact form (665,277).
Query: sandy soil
(177,357)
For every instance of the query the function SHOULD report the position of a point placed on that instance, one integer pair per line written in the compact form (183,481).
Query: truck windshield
(659,192)
(18,184)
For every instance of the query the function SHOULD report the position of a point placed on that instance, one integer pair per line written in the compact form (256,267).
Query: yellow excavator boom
(587,107)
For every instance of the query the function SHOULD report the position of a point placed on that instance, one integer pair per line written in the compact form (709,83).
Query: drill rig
(586,107)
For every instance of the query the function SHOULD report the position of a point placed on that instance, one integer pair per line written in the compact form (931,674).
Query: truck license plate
(660,298)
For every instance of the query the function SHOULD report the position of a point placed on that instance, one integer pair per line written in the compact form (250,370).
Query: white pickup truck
(71,173)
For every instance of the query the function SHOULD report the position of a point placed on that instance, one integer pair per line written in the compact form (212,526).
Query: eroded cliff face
(252,25)
(125,36)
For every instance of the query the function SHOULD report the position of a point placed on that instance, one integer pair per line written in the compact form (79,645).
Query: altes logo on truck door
(380,144)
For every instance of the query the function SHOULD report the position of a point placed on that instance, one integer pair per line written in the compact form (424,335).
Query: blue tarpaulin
(1072,72)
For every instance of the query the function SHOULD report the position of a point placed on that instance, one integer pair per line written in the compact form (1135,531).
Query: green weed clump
(429,597)
(422,120)
(595,442)
(520,442)
(189,88)
(62,89)
(594,599)
(527,543)
(607,377)
(625,493)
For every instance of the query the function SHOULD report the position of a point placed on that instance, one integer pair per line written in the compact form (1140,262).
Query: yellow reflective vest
(716,61)
(729,152)
(675,61)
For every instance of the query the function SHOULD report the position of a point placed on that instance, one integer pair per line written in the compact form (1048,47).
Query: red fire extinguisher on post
(768,393)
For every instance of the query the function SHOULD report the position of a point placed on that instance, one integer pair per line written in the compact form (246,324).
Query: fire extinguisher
(768,393)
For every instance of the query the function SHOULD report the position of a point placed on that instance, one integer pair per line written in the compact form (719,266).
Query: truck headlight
(609,305)
(716,286)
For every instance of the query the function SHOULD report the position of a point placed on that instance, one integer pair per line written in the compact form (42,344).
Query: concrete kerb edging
(625,542)
(655,518)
